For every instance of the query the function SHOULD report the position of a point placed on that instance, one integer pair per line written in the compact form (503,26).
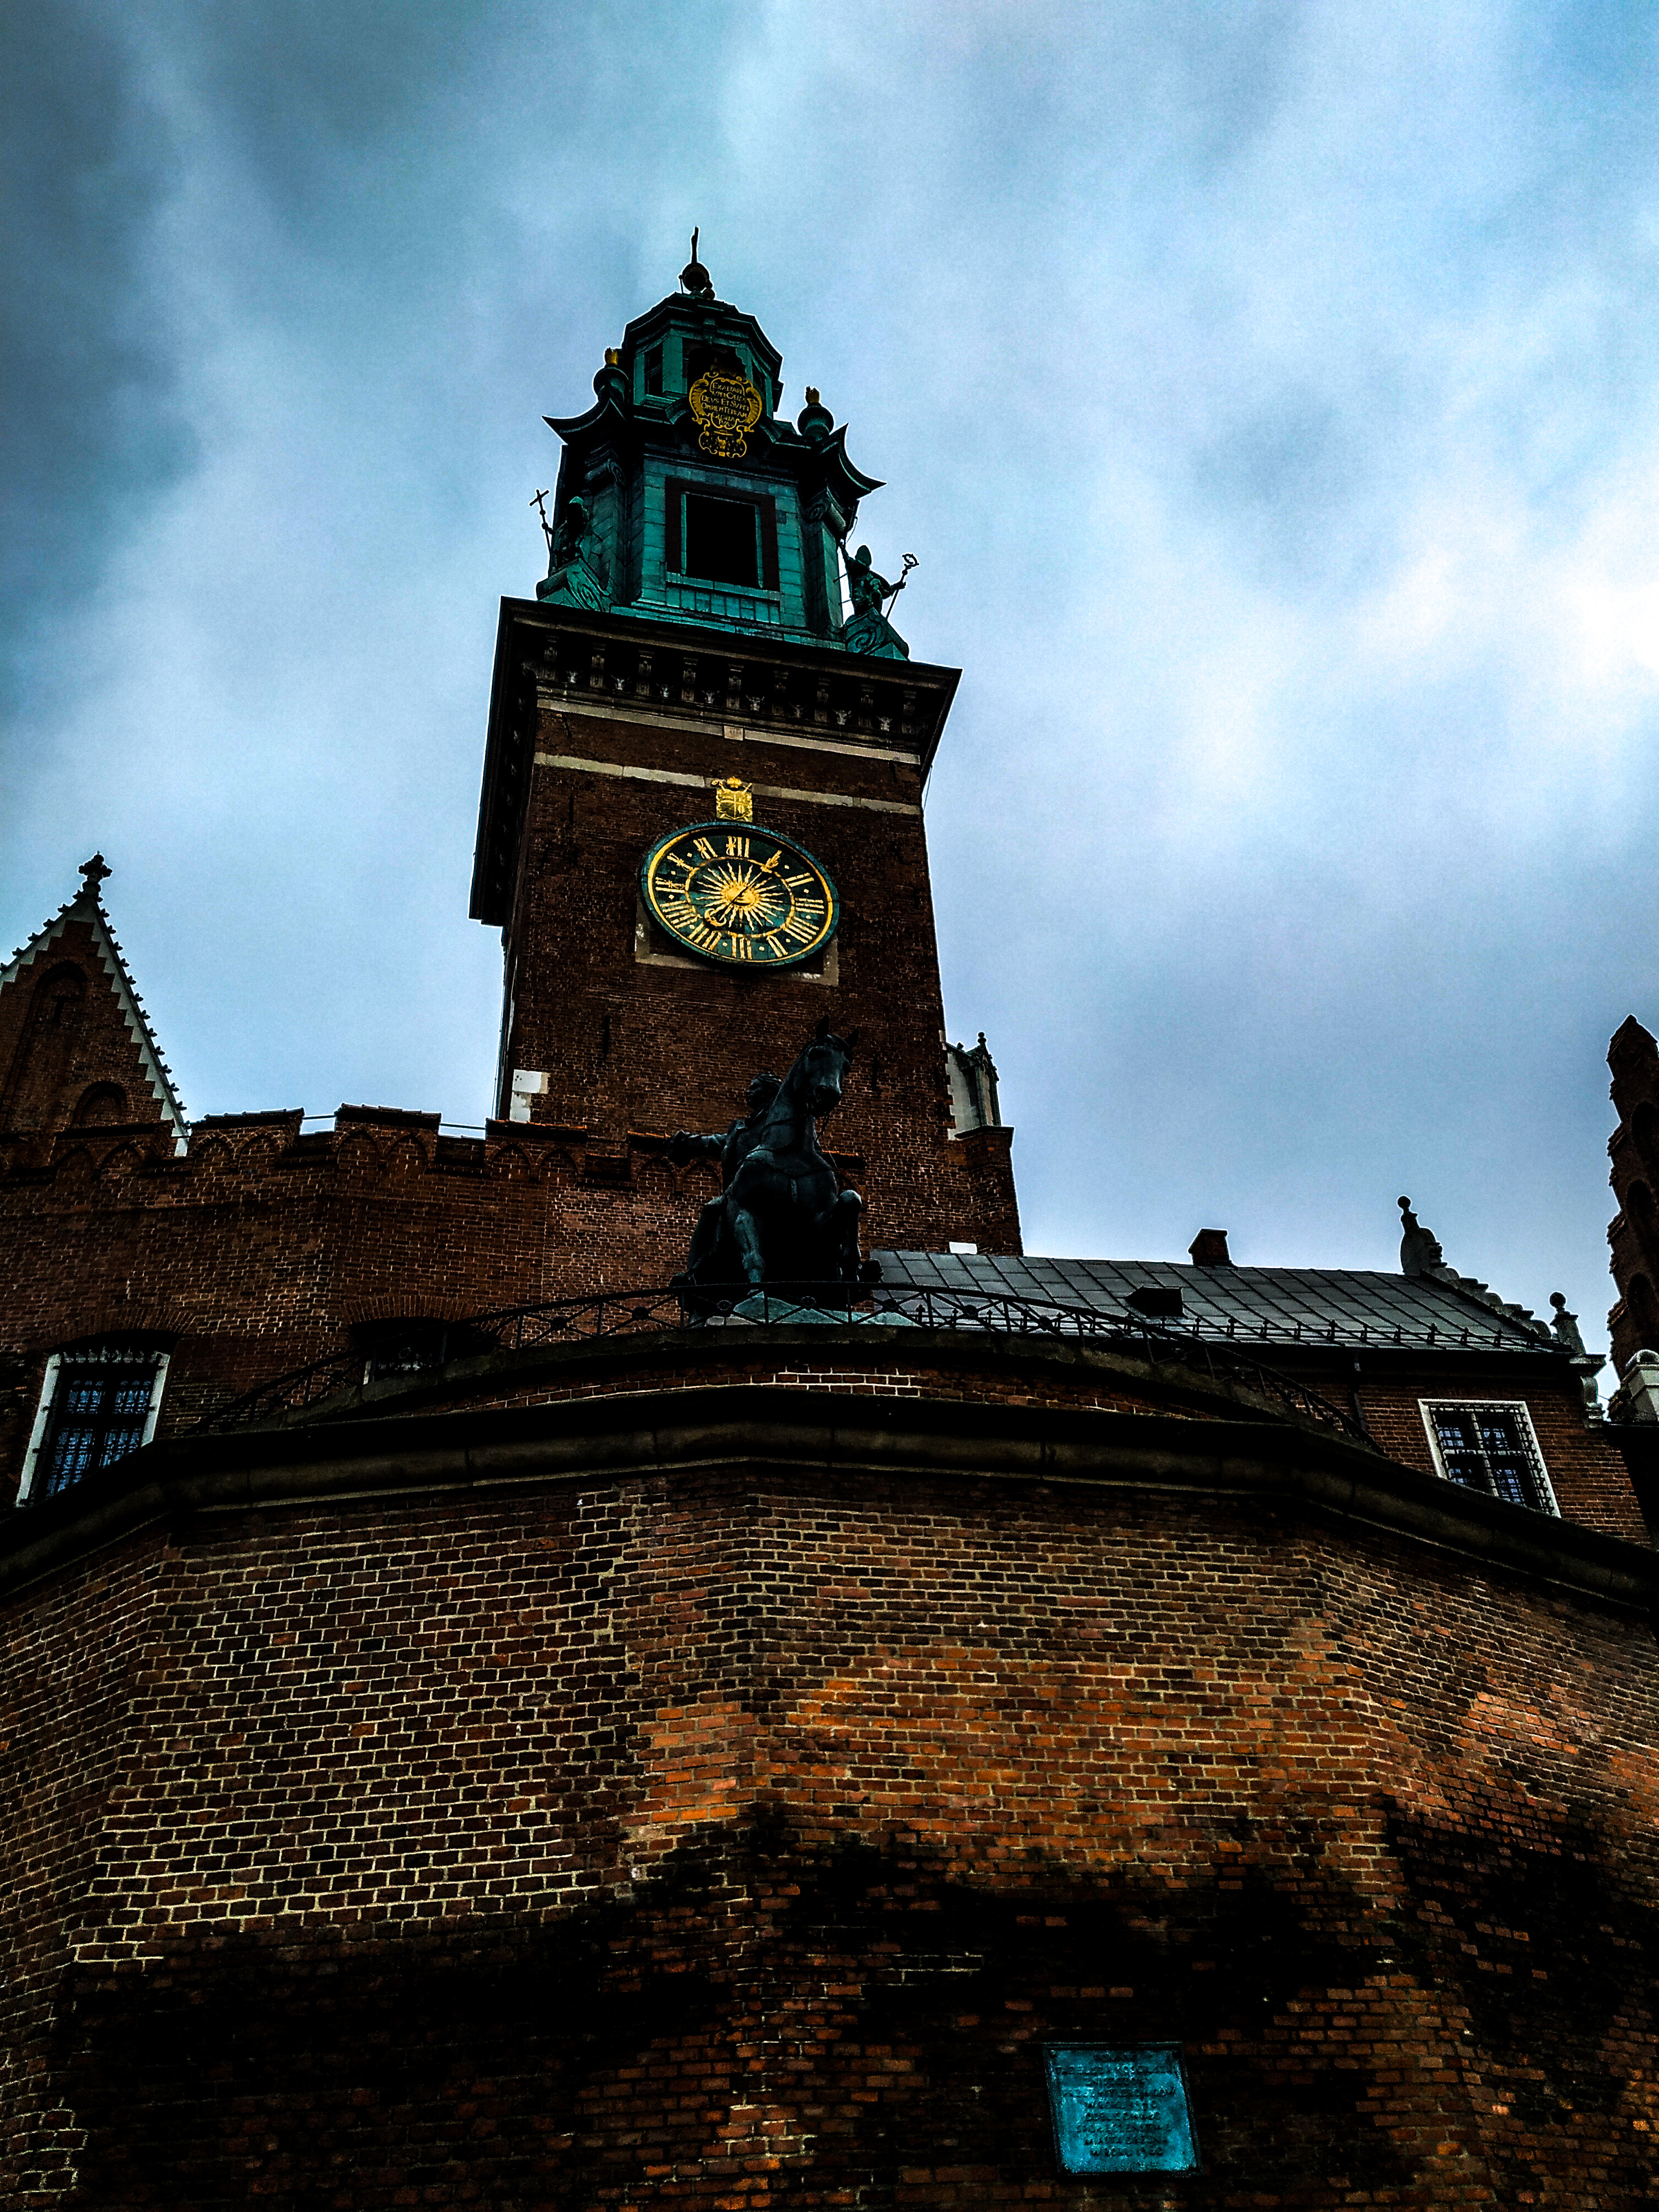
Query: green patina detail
(648,521)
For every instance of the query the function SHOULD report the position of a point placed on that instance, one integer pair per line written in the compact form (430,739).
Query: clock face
(739,894)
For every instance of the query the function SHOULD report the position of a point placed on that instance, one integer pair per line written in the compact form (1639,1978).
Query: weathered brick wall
(72,1661)
(717,1839)
(1590,1481)
(261,1247)
(64,1035)
(998,1383)
(654,1044)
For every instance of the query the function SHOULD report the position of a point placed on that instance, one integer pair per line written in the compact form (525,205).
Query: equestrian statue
(781,1216)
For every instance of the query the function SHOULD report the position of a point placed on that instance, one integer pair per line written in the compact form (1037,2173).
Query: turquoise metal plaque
(1121,2108)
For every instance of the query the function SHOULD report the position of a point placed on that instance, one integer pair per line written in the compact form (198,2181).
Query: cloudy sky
(1268,390)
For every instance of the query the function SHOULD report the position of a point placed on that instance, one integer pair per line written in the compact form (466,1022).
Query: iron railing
(612,1313)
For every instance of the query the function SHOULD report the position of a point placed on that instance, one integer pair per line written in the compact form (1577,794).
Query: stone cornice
(771,1434)
(547,655)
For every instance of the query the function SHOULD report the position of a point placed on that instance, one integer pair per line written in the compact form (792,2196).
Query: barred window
(97,1404)
(1488,1445)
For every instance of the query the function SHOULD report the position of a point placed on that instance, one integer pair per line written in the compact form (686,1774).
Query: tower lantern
(685,496)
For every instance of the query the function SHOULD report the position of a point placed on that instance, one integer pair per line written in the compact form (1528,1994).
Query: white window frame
(1428,1406)
(95,1356)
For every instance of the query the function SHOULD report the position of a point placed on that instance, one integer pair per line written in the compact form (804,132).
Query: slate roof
(1260,1305)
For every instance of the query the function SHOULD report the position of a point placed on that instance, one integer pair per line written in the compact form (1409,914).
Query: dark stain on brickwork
(347,1797)
(766,2023)
(464,2067)
(619,2056)
(958,1986)
(1551,1950)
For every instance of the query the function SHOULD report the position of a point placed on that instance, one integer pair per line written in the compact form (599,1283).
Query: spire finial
(94,872)
(695,277)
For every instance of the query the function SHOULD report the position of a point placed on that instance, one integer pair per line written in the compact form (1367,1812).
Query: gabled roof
(87,907)
(1271,1305)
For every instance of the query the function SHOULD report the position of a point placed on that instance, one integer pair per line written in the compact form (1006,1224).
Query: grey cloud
(1291,465)
(91,429)
(1269,390)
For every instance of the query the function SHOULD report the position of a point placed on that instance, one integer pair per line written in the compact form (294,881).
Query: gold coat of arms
(726,408)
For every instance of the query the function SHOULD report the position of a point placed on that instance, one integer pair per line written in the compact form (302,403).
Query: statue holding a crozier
(782,1217)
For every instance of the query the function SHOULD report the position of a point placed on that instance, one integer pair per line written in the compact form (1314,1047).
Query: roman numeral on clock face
(714,893)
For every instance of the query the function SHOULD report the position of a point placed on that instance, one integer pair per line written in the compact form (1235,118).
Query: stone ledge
(778,1433)
(1066,1365)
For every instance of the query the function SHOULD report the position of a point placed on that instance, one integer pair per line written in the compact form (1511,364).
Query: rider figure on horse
(731,1151)
(782,1216)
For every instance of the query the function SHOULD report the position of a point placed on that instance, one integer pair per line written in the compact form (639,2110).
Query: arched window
(101,1107)
(98,1402)
(1644,1309)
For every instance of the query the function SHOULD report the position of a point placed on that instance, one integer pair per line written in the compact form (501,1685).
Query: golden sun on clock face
(739,894)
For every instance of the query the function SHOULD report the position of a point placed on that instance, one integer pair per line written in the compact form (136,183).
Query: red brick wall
(721,1840)
(62,1035)
(261,1247)
(633,1044)
(846,1370)
(1591,1483)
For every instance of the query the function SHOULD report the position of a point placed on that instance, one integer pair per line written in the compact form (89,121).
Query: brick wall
(261,1247)
(725,1838)
(656,1043)
(66,1049)
(1589,1478)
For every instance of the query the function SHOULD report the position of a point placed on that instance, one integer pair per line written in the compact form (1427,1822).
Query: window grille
(96,1406)
(1488,1444)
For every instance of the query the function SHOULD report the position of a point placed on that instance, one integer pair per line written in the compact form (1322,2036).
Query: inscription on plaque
(726,408)
(1121,2108)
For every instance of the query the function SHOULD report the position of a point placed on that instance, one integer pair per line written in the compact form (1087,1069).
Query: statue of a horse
(786,1218)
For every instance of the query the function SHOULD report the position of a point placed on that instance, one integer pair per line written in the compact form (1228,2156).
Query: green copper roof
(684,496)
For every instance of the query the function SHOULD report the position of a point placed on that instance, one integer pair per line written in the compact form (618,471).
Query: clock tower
(702,827)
